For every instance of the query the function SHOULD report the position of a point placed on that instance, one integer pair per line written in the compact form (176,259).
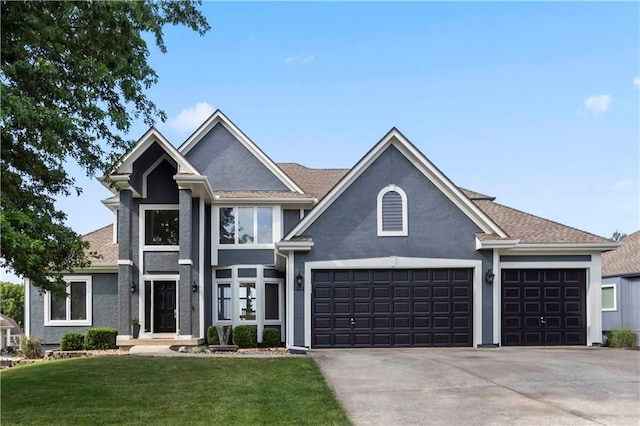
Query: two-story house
(388,253)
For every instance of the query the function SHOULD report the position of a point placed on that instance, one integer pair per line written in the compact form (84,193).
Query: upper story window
(162,227)
(246,225)
(392,212)
(75,308)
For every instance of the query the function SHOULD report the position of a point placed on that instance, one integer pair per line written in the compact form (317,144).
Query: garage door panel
(430,307)
(544,307)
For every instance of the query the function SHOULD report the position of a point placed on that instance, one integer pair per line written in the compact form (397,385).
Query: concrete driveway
(452,386)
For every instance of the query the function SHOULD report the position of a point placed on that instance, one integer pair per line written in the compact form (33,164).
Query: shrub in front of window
(101,338)
(212,335)
(621,338)
(271,338)
(31,347)
(73,341)
(245,336)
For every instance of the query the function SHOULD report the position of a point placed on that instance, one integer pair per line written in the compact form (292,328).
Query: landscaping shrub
(271,338)
(212,335)
(31,347)
(197,349)
(72,341)
(245,336)
(621,338)
(101,338)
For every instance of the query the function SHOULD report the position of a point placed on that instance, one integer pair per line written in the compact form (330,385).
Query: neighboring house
(388,253)
(621,286)
(10,333)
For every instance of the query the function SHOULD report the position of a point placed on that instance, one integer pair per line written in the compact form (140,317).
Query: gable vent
(392,211)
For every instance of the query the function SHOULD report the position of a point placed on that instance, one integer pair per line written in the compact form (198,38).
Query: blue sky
(537,104)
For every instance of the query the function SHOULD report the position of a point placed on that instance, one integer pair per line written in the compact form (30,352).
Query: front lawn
(150,390)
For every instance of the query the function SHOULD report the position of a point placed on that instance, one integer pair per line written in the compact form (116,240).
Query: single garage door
(544,307)
(385,308)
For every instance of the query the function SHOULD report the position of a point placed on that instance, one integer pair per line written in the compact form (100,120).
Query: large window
(248,301)
(75,308)
(224,302)
(161,227)
(246,225)
(609,297)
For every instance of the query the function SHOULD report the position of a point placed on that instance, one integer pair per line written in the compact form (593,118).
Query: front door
(164,307)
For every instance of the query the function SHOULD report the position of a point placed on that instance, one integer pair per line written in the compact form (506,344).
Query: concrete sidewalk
(504,386)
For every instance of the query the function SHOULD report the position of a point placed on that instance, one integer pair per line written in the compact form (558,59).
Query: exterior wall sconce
(194,287)
(489,276)
(134,287)
(299,280)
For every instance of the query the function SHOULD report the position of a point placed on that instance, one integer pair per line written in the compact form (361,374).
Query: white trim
(219,117)
(265,200)
(27,307)
(88,303)
(115,226)
(201,263)
(394,262)
(615,295)
(289,315)
(141,303)
(152,167)
(566,246)
(294,245)
(493,244)
(142,228)
(125,262)
(199,185)
(431,172)
(185,262)
(276,229)
(403,197)
(497,298)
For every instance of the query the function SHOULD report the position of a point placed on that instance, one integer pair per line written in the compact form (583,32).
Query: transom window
(75,309)
(246,225)
(392,212)
(162,227)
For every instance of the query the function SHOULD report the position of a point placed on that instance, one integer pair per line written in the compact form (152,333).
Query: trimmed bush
(621,338)
(100,338)
(212,335)
(245,336)
(271,338)
(31,348)
(72,341)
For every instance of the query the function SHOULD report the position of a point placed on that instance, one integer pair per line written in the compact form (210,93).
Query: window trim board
(87,279)
(615,297)
(403,197)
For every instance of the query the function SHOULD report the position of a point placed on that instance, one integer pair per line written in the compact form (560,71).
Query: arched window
(392,212)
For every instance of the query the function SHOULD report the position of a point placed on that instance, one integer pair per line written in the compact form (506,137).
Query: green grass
(150,390)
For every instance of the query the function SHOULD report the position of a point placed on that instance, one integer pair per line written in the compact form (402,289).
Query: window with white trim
(392,212)
(246,225)
(75,309)
(609,297)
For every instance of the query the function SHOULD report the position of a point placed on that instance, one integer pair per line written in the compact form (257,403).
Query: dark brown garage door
(383,308)
(544,307)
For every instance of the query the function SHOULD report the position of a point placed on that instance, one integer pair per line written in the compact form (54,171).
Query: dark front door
(391,308)
(544,307)
(164,307)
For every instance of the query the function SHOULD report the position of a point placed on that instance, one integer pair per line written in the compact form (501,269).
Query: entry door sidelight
(164,307)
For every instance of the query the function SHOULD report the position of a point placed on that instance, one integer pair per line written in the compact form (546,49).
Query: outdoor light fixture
(299,279)
(134,288)
(194,287)
(489,276)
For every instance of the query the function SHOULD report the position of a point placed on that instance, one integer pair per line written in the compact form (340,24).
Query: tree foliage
(73,76)
(12,301)
(618,236)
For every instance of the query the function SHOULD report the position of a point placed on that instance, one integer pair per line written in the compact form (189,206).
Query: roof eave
(294,245)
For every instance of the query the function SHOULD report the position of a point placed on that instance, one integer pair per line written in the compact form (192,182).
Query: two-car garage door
(384,308)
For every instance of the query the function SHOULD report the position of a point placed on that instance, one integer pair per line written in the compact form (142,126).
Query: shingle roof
(101,241)
(624,260)
(259,194)
(315,182)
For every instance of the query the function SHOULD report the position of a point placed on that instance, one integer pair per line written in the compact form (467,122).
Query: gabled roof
(101,241)
(624,260)
(219,118)
(315,182)
(428,169)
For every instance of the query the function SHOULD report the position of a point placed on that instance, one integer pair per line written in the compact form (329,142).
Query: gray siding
(290,218)
(627,313)
(160,262)
(104,309)
(436,228)
(229,165)
(143,162)
(245,257)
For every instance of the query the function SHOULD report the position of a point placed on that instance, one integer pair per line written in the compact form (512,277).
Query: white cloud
(300,59)
(190,118)
(598,104)
(636,82)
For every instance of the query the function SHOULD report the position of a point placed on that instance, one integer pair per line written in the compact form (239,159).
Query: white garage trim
(593,291)
(394,262)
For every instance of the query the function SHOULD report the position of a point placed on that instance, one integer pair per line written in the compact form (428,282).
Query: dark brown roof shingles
(624,260)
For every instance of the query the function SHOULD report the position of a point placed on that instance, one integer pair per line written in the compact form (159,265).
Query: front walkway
(502,386)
